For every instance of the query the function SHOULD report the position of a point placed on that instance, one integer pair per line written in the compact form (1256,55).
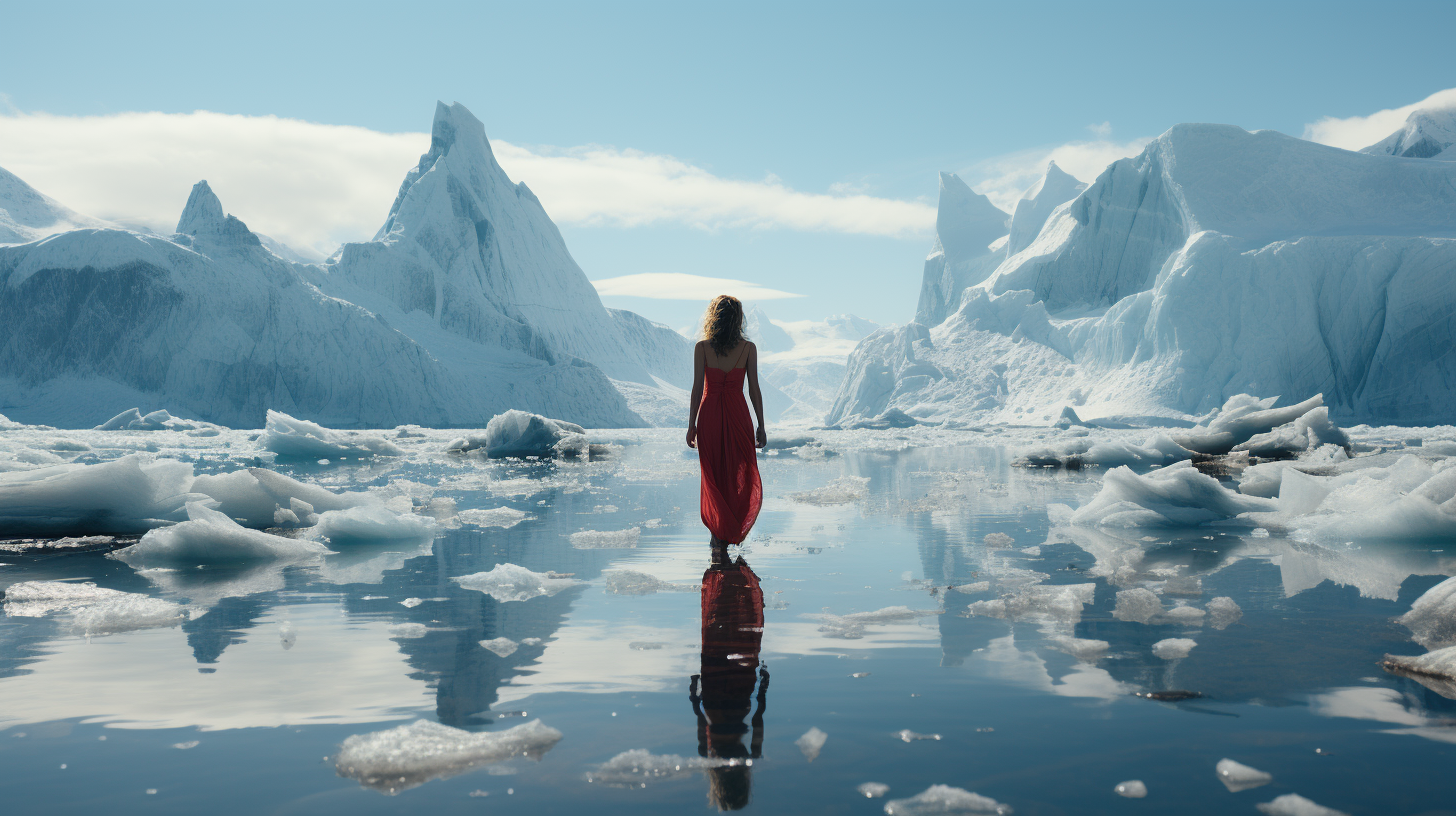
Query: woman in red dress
(719,425)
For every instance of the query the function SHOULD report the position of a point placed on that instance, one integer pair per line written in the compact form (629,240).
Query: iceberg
(519,433)
(127,495)
(1432,618)
(299,438)
(401,758)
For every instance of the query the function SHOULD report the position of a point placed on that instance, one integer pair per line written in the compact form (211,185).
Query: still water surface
(279,665)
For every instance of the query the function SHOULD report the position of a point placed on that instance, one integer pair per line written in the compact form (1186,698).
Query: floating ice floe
(944,799)
(852,626)
(1249,423)
(639,767)
(873,790)
(209,537)
(1237,776)
(1223,612)
(501,646)
(811,743)
(1131,789)
(518,433)
(1434,670)
(372,522)
(1059,602)
(1138,605)
(127,495)
(906,735)
(504,517)
(1156,450)
(1173,648)
(510,582)
(1292,804)
(301,439)
(408,631)
(1432,618)
(287,635)
(629,582)
(973,588)
(1175,496)
(133,420)
(606,539)
(402,758)
(998,540)
(843,490)
(1086,650)
(91,610)
(255,496)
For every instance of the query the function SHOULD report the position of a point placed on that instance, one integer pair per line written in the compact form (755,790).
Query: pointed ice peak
(202,210)
(456,126)
(965,221)
(1429,133)
(1053,189)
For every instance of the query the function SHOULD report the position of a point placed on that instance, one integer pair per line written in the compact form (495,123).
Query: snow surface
(27,215)
(1217,262)
(401,758)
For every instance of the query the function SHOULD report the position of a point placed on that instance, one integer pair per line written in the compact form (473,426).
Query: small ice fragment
(873,790)
(843,490)
(1432,618)
(1132,789)
(502,646)
(1223,612)
(1185,615)
(998,540)
(644,646)
(606,540)
(1259,532)
(530,641)
(151,791)
(411,602)
(1032,551)
(510,582)
(1174,648)
(860,674)
(1292,804)
(373,522)
(1083,649)
(1137,605)
(400,758)
(945,799)
(1183,585)
(1237,776)
(408,630)
(811,743)
(636,768)
(971,589)
(907,735)
(630,582)
(185,746)
(287,635)
(503,517)
(479,793)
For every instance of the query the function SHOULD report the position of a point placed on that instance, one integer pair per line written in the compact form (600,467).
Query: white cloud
(1358,132)
(1101,131)
(682,286)
(316,185)
(1004,178)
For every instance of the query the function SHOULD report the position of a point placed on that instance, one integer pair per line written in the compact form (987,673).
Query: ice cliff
(1215,263)
(466,304)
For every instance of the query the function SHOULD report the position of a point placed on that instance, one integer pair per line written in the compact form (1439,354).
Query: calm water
(1292,688)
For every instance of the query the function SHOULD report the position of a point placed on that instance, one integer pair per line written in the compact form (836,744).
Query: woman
(719,426)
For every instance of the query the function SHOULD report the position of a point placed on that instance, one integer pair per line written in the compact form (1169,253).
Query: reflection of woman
(719,425)
(722,695)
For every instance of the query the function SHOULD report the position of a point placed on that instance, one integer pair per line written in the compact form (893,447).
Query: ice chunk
(843,490)
(1137,605)
(973,588)
(132,420)
(1292,804)
(209,537)
(1434,670)
(402,758)
(638,767)
(906,735)
(852,626)
(1173,648)
(1062,602)
(1190,585)
(301,439)
(1088,651)
(811,743)
(518,433)
(1432,618)
(1185,615)
(253,496)
(1132,789)
(628,582)
(998,540)
(510,582)
(407,631)
(92,610)
(1237,776)
(1223,612)
(186,746)
(944,799)
(372,523)
(606,540)
(505,517)
(501,646)
(127,495)
(287,635)
(645,645)
(1242,418)
(50,596)
(873,790)
(1175,496)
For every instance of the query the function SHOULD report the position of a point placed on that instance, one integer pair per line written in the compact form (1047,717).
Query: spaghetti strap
(743,356)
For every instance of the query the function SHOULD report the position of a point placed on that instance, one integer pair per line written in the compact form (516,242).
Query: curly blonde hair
(723,324)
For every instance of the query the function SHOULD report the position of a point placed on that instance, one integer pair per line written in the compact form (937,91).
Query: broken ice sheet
(410,755)
(606,540)
(1237,776)
(510,582)
(637,767)
(501,646)
(944,799)
(503,517)
(811,743)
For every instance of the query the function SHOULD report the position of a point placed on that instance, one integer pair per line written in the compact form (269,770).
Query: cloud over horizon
(314,185)
(1003,179)
(1359,132)
(683,286)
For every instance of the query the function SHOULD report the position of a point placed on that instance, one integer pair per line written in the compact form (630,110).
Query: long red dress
(731,491)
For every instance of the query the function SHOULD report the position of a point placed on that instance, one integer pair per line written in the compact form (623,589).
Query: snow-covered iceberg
(1217,262)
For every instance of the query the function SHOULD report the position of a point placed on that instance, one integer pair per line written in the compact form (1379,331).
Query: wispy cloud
(682,286)
(1357,132)
(1004,178)
(318,185)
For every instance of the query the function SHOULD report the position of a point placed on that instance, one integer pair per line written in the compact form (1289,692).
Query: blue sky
(817,97)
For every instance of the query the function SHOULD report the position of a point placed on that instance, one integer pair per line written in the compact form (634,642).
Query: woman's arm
(699,361)
(755,396)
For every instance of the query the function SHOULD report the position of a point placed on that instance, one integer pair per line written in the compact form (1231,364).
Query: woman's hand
(693,436)
(762,440)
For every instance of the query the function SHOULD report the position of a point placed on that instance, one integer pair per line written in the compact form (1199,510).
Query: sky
(788,151)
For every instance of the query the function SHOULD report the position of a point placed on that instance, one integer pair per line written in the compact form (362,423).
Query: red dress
(731,491)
